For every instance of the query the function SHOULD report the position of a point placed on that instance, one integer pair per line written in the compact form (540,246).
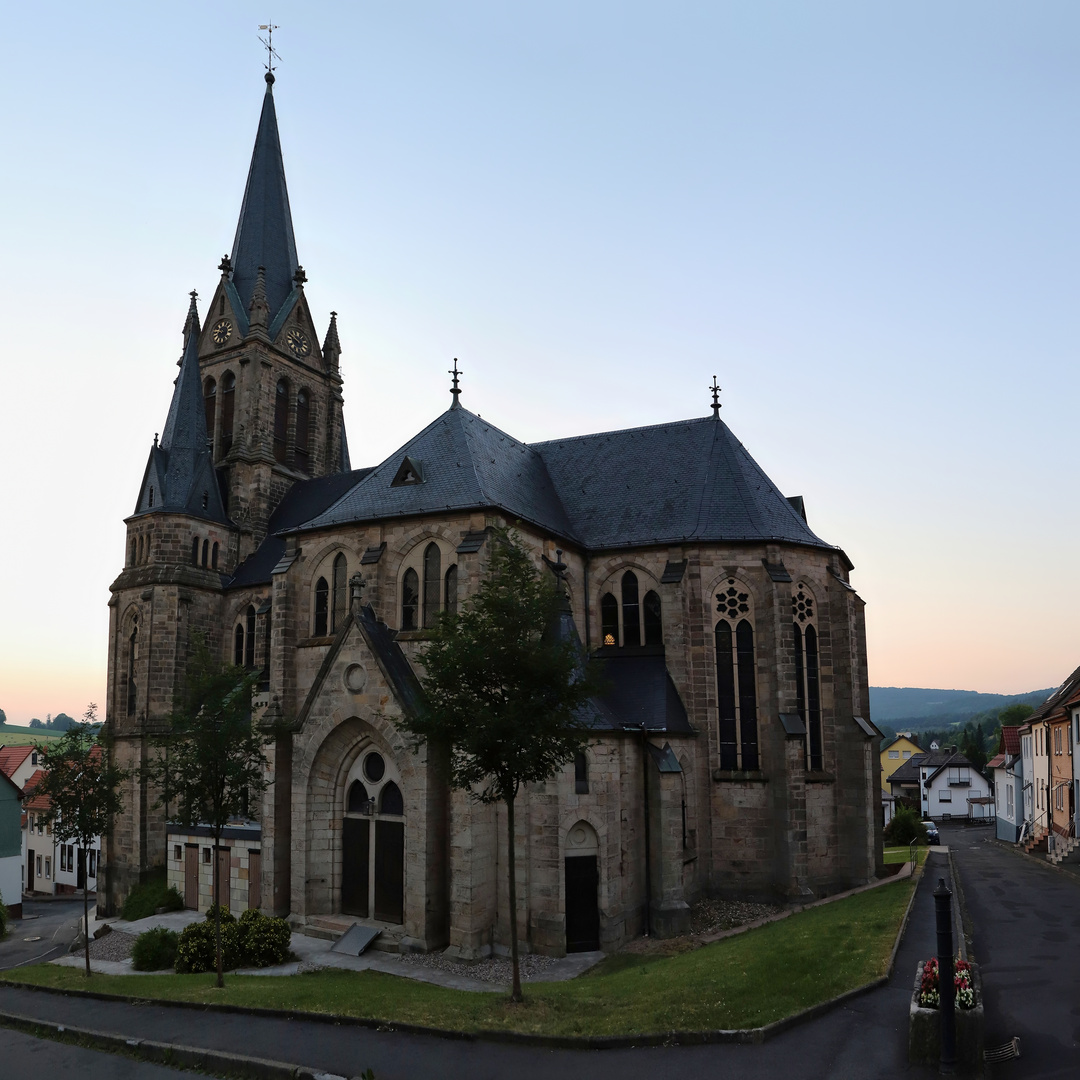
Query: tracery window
(736,678)
(281,421)
(205,553)
(133,656)
(639,619)
(808,674)
(303,430)
(322,607)
(432,583)
(339,594)
(630,609)
(410,599)
(195,551)
(228,406)
(609,619)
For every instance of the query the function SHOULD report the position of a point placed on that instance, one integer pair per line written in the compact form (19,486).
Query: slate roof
(303,500)
(640,691)
(669,483)
(1059,699)
(11,757)
(264,233)
(908,773)
(180,475)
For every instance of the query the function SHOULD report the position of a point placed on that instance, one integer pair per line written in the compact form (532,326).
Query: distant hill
(915,708)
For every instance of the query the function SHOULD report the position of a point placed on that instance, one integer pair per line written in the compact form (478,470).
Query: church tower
(272,397)
(256,408)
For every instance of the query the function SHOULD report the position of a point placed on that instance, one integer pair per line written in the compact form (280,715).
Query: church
(732,753)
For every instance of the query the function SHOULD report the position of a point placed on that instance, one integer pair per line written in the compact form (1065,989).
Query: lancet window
(807,674)
(630,619)
(228,407)
(736,678)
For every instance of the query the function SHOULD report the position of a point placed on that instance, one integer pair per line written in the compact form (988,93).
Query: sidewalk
(865,1037)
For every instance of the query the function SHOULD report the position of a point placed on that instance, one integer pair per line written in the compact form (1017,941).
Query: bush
(149,895)
(195,950)
(4,919)
(155,949)
(906,826)
(264,941)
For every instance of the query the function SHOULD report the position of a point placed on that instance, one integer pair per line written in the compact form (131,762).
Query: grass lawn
(902,854)
(743,981)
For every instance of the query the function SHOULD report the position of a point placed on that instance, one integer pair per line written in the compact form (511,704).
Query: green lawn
(743,981)
(902,855)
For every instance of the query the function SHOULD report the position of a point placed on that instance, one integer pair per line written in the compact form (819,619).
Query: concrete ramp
(355,940)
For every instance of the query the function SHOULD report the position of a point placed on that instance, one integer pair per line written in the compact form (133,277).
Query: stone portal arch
(582,888)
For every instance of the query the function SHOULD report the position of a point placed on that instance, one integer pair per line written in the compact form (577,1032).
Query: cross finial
(715,398)
(455,390)
(271,52)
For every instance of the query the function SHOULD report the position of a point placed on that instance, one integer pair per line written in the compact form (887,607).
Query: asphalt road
(25,1056)
(46,931)
(1027,940)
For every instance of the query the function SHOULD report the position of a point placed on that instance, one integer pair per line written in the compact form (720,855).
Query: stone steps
(333,927)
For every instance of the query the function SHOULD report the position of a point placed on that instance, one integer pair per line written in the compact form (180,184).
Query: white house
(944,782)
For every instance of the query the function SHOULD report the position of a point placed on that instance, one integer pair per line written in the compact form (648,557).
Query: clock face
(221,332)
(298,342)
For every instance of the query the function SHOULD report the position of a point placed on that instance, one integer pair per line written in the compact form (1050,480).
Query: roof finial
(715,399)
(271,52)
(454,389)
(192,320)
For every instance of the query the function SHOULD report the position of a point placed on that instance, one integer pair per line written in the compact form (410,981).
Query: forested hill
(916,708)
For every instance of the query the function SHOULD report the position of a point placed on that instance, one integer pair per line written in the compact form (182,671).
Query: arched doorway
(373,841)
(582,888)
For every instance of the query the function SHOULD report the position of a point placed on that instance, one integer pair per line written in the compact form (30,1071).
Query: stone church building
(732,752)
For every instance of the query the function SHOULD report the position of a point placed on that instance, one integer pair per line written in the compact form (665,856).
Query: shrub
(155,949)
(3,918)
(149,895)
(195,950)
(264,941)
(906,826)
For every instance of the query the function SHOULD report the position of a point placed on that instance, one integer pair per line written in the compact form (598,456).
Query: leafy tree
(1014,714)
(61,722)
(211,761)
(504,692)
(905,827)
(36,723)
(3,717)
(82,788)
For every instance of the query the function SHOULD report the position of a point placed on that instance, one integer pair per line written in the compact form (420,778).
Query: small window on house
(581,774)
(390,801)
(944,795)
(894,754)
(340,606)
(33,757)
(654,624)
(432,581)
(48,867)
(177,852)
(214,556)
(451,590)
(907,753)
(322,605)
(30,819)
(206,855)
(38,866)
(410,599)
(63,858)
(609,619)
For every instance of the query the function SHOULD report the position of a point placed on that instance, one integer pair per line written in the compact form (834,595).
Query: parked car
(932,835)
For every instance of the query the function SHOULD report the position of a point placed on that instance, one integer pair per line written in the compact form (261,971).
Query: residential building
(945,783)
(10,846)
(894,754)
(1007,769)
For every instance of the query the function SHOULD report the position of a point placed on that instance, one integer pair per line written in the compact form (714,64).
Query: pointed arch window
(410,599)
(249,637)
(339,599)
(609,619)
(281,421)
(228,408)
(140,556)
(133,656)
(432,581)
(210,405)
(631,614)
(303,430)
(194,551)
(807,674)
(736,679)
(205,553)
(581,773)
(214,556)
(652,619)
(131,559)
(322,605)
(358,798)
(390,800)
(451,590)
(238,645)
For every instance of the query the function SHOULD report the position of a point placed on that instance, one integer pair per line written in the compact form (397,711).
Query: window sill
(739,776)
(820,778)
(413,635)
(313,642)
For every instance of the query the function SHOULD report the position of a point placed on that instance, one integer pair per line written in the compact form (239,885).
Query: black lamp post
(946,986)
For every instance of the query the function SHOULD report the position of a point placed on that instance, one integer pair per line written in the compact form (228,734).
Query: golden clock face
(221,332)
(298,342)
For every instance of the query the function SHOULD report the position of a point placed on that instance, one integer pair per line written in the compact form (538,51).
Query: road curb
(564,1042)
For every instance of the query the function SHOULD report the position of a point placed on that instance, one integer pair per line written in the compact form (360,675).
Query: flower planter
(924,1029)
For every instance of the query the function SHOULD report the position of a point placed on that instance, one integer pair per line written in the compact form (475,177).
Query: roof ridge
(626,430)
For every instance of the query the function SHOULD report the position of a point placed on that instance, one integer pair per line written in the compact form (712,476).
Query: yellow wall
(889,765)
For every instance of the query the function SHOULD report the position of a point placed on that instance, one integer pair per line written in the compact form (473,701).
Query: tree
(211,761)
(82,788)
(61,722)
(504,692)
(36,723)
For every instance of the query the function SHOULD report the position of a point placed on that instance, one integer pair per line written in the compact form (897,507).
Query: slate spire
(264,233)
(180,474)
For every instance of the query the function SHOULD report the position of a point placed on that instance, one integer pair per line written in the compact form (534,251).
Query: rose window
(802,604)
(732,602)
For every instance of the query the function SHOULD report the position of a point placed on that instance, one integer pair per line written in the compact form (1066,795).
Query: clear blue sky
(861,217)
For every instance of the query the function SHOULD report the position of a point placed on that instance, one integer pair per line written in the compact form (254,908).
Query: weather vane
(456,371)
(268,41)
(715,398)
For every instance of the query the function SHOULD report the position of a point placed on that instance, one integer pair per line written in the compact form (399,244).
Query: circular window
(374,767)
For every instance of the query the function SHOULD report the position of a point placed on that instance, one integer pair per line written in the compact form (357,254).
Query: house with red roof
(10,847)
(1007,769)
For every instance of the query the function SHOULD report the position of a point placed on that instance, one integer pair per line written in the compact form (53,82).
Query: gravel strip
(493,970)
(712,916)
(114,946)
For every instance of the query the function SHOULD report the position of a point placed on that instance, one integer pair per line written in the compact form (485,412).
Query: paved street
(50,924)
(24,1056)
(1027,939)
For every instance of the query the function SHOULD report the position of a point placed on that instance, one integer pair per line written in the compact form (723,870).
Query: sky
(862,218)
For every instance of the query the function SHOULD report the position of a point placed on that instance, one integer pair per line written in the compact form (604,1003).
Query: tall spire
(180,474)
(264,233)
